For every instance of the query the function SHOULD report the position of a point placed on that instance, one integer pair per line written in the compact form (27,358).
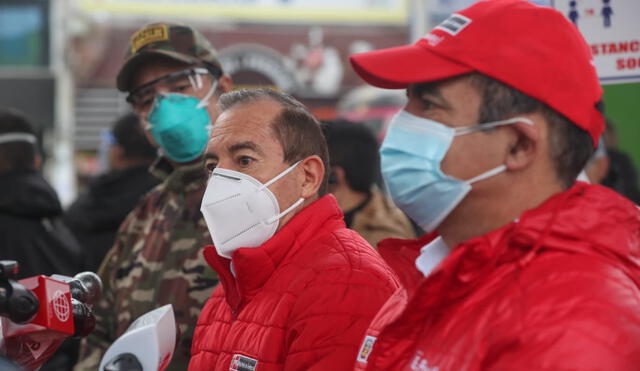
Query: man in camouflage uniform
(156,259)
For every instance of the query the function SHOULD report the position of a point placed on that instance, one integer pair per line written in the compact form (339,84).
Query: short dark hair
(295,128)
(570,147)
(129,134)
(16,156)
(353,147)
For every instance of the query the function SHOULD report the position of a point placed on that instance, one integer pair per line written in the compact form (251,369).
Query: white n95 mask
(240,211)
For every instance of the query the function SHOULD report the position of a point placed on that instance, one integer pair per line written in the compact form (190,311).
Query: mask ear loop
(488,174)
(193,82)
(277,217)
(501,168)
(205,100)
(277,177)
(489,125)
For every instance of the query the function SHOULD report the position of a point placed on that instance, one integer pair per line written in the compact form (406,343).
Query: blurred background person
(597,167)
(611,167)
(622,175)
(355,167)
(371,107)
(31,227)
(95,216)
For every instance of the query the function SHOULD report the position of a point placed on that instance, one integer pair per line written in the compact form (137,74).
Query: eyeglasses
(184,82)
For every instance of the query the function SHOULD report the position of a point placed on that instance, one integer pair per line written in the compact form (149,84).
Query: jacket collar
(401,255)
(593,214)
(254,266)
(182,179)
(573,221)
(570,221)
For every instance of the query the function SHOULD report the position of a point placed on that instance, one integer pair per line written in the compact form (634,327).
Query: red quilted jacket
(559,289)
(301,301)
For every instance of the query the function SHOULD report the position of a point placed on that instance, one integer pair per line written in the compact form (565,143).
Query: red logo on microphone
(55,312)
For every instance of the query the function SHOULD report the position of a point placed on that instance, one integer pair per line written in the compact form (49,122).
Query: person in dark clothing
(31,229)
(95,216)
(622,175)
(353,152)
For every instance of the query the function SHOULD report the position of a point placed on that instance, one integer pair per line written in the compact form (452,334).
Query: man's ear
(524,143)
(312,175)
(225,84)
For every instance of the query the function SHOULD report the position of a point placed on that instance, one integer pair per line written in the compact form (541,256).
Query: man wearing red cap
(522,267)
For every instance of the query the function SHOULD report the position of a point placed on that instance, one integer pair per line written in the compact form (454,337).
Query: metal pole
(419,19)
(61,171)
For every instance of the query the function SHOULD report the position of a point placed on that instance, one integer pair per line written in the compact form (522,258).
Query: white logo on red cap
(454,24)
(432,39)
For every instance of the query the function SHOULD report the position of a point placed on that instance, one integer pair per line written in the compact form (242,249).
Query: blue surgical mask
(411,155)
(180,124)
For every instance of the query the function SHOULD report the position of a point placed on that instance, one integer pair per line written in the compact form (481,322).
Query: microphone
(50,310)
(16,302)
(147,345)
(55,309)
(89,287)
(85,289)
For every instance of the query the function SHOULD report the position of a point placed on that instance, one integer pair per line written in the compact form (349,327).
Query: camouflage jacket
(156,260)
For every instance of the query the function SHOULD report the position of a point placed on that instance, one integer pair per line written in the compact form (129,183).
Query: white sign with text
(612,30)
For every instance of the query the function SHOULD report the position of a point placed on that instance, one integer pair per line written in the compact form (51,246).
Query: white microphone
(147,345)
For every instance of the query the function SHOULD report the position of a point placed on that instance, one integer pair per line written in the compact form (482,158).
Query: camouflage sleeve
(96,344)
(187,286)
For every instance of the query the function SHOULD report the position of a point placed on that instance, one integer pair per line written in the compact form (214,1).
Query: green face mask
(180,125)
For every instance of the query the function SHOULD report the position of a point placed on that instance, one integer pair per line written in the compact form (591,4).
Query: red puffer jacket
(301,301)
(559,289)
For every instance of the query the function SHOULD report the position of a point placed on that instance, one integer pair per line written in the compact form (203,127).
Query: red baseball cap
(531,48)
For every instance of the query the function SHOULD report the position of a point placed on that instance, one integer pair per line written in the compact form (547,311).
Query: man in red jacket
(523,268)
(298,288)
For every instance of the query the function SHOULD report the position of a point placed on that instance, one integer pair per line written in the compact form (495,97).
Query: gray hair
(298,132)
